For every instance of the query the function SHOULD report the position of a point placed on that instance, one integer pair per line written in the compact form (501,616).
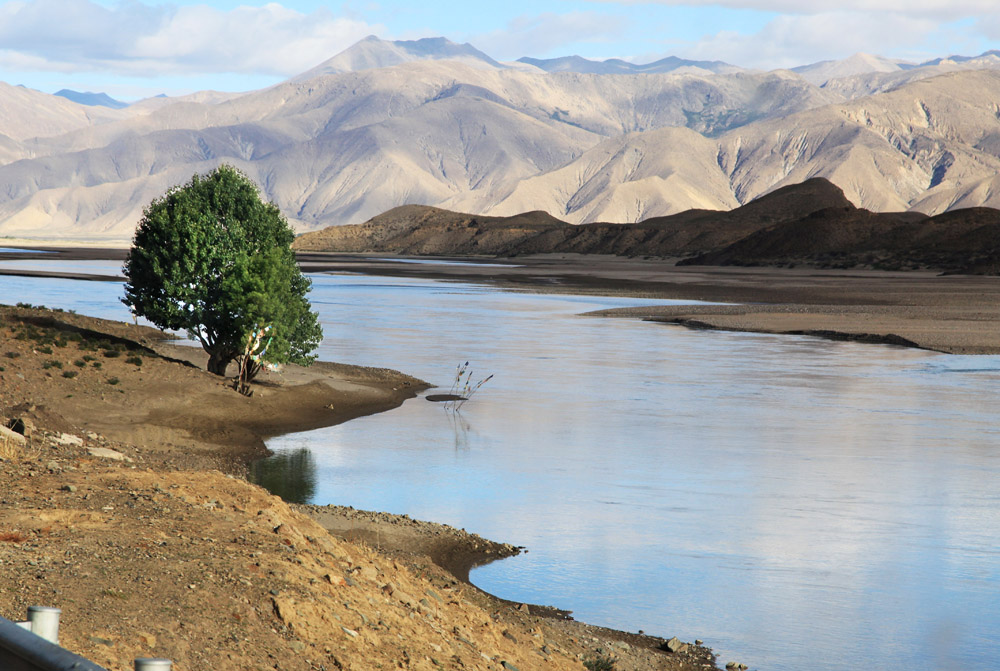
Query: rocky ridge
(811,224)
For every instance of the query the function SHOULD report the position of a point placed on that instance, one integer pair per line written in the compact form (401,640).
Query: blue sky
(135,48)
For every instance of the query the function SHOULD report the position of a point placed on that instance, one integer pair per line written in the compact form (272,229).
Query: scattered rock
(106,453)
(12,436)
(675,645)
(736,666)
(68,439)
(68,488)
(18,425)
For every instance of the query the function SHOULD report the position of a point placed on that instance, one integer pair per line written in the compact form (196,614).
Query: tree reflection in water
(290,475)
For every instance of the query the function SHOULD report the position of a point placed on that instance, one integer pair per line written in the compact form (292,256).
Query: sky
(133,49)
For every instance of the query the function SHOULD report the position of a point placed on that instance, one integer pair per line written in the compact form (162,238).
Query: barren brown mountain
(812,223)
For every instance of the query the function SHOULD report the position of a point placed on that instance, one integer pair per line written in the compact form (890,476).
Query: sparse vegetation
(70,374)
(80,363)
(112,380)
(134,359)
(599,663)
(12,355)
(52,364)
(463,388)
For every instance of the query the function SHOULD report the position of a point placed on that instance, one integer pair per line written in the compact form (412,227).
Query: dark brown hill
(960,241)
(421,230)
(811,223)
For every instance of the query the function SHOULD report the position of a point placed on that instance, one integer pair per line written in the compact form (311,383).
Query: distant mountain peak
(91,99)
(373,52)
(856,64)
(617,66)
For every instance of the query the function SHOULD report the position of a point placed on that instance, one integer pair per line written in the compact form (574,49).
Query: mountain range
(431,122)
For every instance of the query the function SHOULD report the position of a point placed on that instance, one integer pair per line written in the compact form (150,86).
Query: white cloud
(136,39)
(788,41)
(950,9)
(536,35)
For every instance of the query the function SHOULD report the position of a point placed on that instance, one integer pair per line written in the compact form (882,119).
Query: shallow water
(797,503)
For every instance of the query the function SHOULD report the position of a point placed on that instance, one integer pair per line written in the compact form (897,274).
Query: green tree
(211,258)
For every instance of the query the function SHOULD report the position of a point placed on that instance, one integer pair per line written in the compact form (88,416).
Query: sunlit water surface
(797,503)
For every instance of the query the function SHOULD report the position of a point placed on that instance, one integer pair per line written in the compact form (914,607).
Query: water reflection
(289,474)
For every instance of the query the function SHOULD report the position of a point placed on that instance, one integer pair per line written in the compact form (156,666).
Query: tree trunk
(218,362)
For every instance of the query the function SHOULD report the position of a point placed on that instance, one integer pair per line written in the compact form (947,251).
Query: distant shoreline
(956,314)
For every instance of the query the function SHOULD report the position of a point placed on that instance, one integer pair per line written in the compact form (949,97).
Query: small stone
(68,439)
(675,645)
(698,641)
(524,608)
(53,466)
(148,640)
(68,488)
(350,632)
(298,646)
(508,666)
(106,453)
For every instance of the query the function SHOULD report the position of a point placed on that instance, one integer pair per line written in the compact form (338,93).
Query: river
(794,502)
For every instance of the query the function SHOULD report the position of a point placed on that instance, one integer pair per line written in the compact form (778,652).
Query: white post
(45,622)
(152,664)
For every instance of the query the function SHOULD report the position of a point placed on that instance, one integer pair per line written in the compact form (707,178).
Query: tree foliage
(212,258)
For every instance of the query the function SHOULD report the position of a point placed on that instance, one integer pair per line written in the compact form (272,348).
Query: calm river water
(794,502)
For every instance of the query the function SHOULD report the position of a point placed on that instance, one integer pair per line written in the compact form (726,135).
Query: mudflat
(958,314)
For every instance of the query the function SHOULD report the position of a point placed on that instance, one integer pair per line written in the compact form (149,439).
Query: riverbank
(123,506)
(958,314)
(954,313)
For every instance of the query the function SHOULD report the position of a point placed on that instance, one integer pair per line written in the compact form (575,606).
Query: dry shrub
(12,537)
(9,450)
(15,452)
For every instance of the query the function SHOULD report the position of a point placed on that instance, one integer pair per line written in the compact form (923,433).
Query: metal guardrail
(34,646)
